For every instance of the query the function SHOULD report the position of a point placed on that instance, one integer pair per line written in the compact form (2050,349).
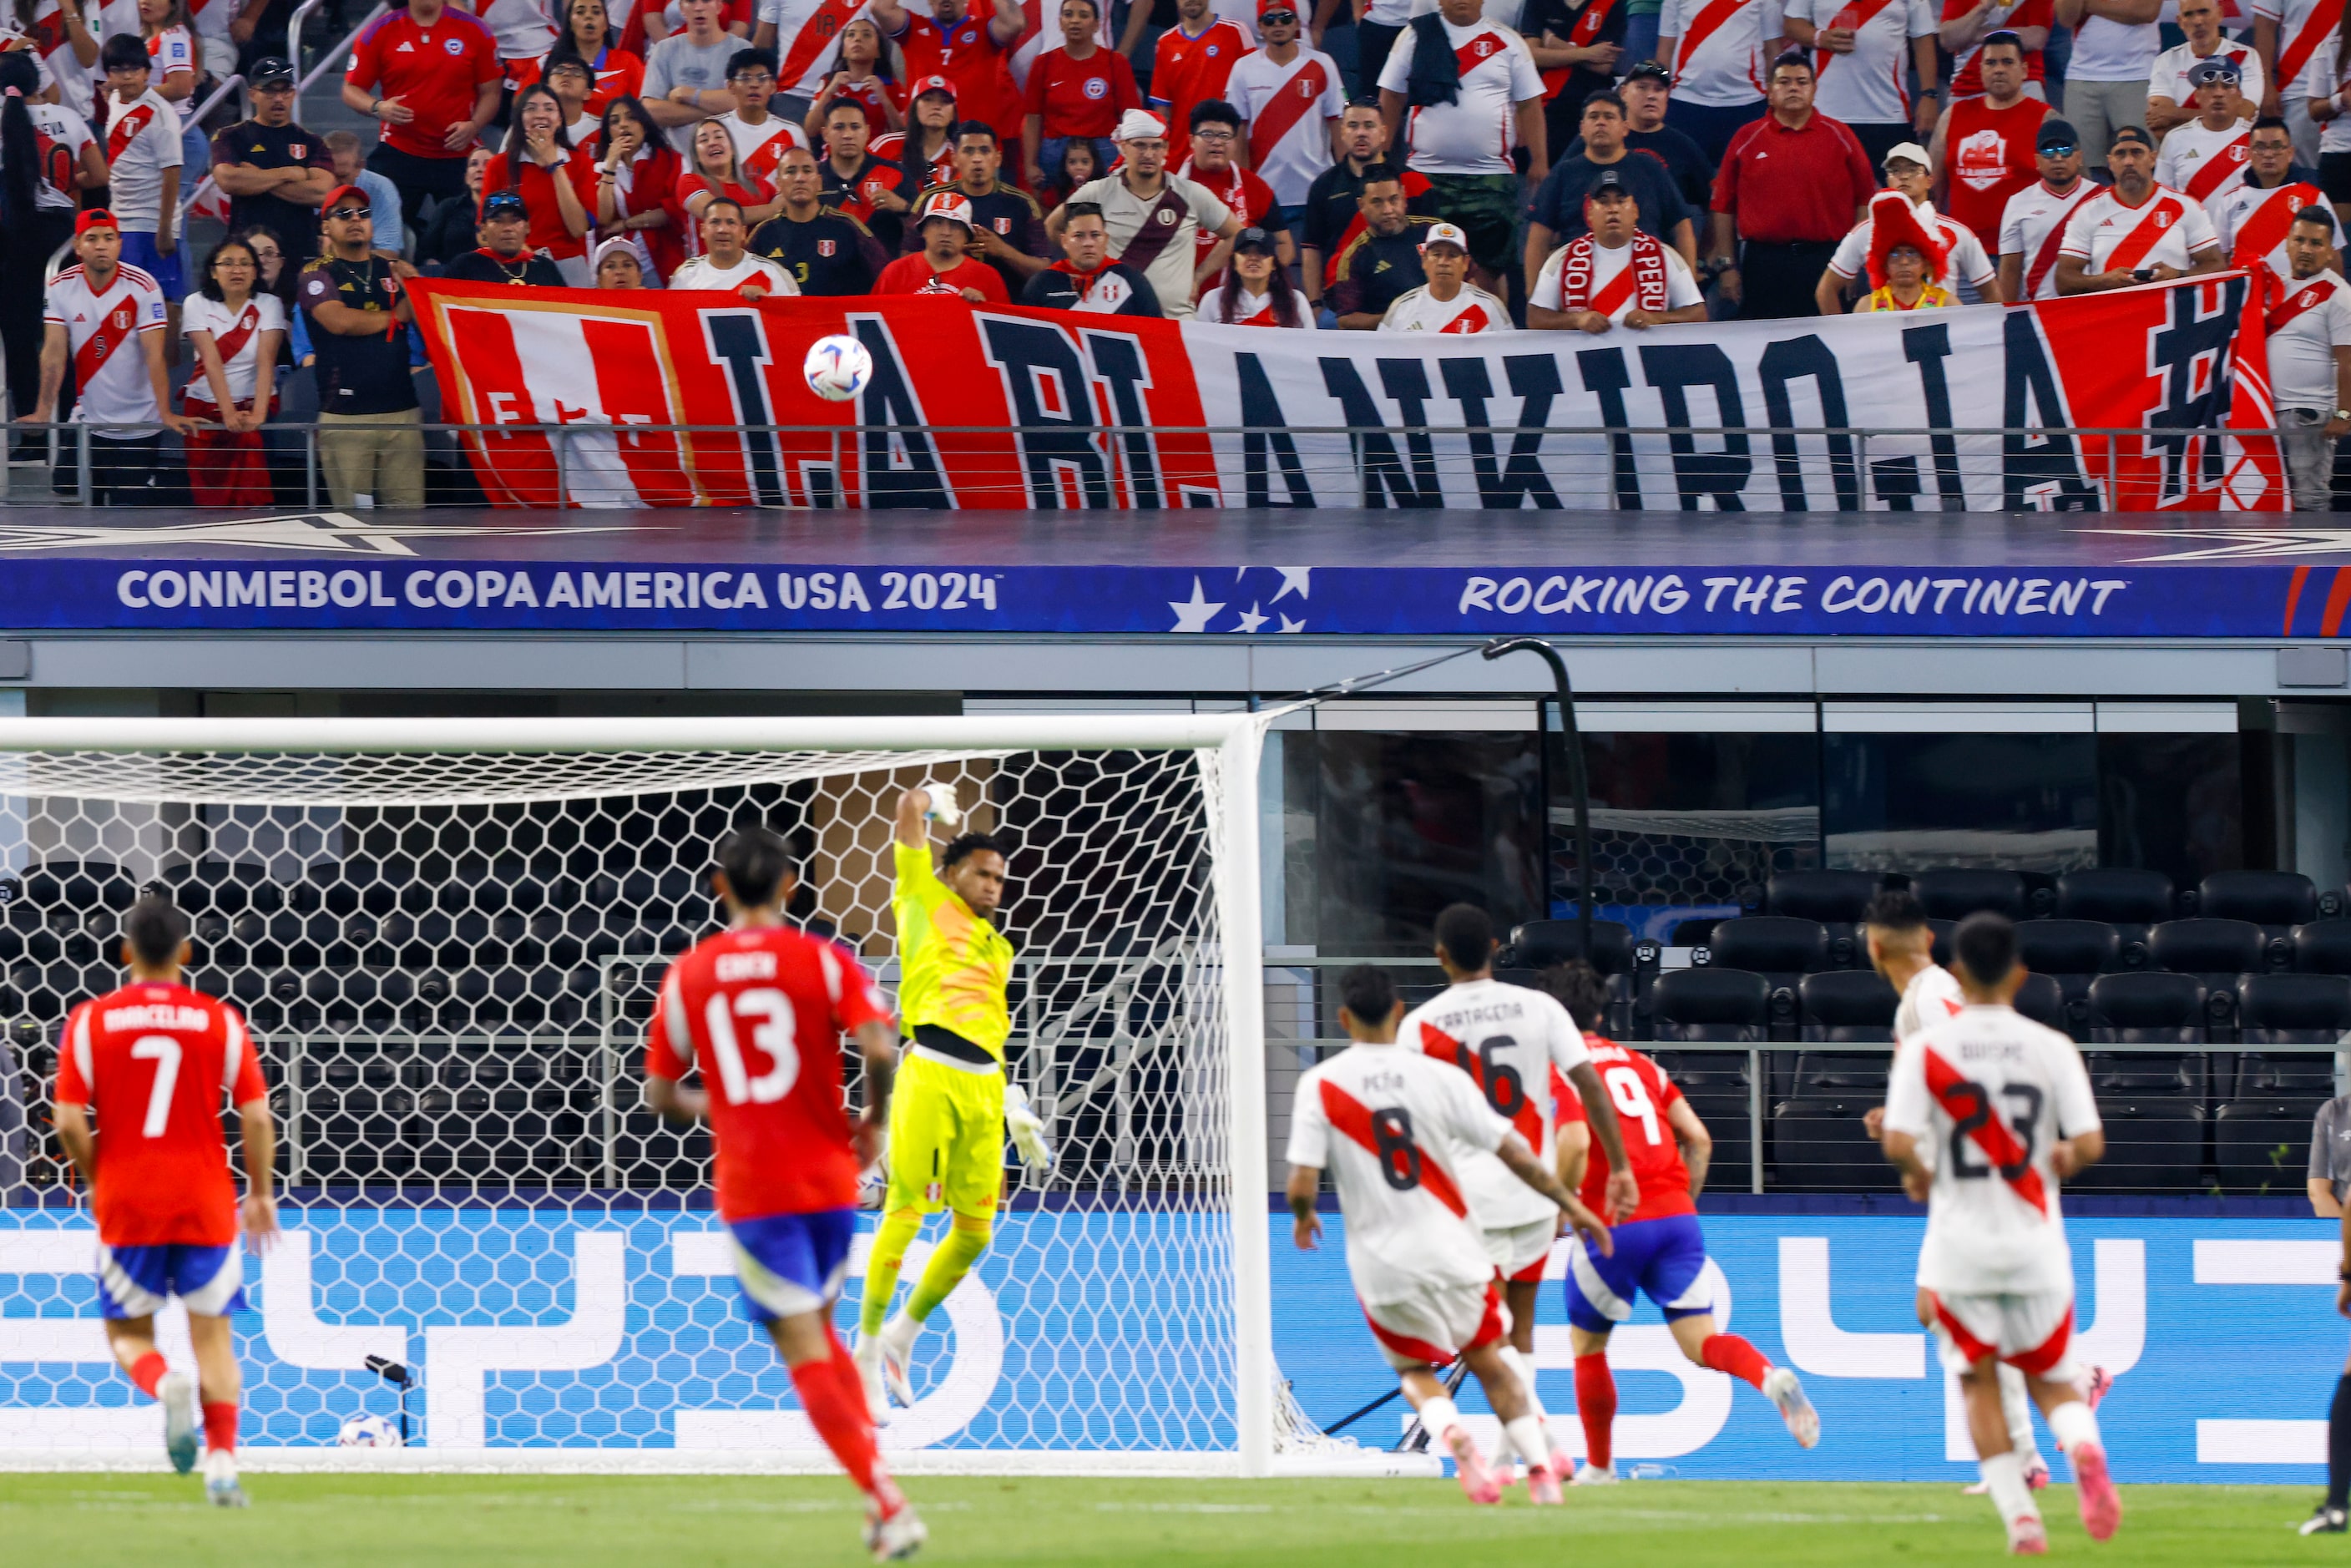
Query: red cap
(1265,5)
(342,193)
(94,218)
(931,84)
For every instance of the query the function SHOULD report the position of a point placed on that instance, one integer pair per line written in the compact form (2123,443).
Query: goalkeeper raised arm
(949,1111)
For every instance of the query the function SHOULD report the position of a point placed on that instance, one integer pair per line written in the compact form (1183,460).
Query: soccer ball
(838,368)
(368,1432)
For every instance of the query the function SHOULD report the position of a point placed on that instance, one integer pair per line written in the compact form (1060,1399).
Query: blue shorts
(136,1282)
(789,1264)
(139,250)
(1663,1258)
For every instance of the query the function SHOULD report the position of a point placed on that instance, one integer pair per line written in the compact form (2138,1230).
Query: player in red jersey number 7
(152,1061)
(760,1008)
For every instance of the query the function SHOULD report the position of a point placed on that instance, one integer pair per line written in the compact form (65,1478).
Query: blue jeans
(1640,41)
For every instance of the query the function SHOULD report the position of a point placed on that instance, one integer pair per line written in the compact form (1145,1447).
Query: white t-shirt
(2167,78)
(1394,1131)
(2108,50)
(262,313)
(1176,224)
(1471,310)
(2103,224)
(120,391)
(701,272)
(1932,995)
(2246,203)
(2302,353)
(2034,214)
(762,146)
(1508,1038)
(1963,253)
(143,139)
(1474,132)
(1289,109)
(800,50)
(170,52)
(2319,83)
(52,128)
(1871,85)
(1725,69)
(524,29)
(2006,1080)
(1249,309)
(1681,288)
(2201,164)
(2299,42)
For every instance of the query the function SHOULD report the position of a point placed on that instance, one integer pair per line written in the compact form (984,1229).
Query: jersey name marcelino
(155,1063)
(1642,1095)
(952,967)
(762,1012)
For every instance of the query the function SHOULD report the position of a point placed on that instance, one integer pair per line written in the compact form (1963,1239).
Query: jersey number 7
(163,1050)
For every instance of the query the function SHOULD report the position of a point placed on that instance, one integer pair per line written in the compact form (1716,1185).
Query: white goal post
(445,932)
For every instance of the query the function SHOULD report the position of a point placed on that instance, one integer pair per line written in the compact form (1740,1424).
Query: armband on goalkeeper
(1026,1129)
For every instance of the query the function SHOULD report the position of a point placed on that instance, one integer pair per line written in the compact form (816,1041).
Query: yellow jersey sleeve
(952,967)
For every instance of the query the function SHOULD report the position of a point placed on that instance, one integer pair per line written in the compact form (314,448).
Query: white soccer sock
(1527,1435)
(2004,1474)
(2073,1424)
(901,1332)
(1439,1417)
(2016,1404)
(1523,1370)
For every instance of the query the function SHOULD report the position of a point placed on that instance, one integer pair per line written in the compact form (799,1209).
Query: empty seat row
(2118,895)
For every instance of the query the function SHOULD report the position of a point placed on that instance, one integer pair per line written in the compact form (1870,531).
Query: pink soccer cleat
(2101,1506)
(1544,1483)
(2036,1477)
(1478,1478)
(2095,1387)
(2026,1538)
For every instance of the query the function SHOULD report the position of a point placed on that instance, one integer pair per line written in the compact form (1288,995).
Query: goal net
(447,938)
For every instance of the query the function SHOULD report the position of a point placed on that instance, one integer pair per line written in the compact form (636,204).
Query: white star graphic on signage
(1295,578)
(1252,619)
(1290,625)
(2224,543)
(1194,614)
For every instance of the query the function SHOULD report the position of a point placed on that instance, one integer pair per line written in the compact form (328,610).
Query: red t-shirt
(1966,77)
(1248,197)
(1186,71)
(891,148)
(619,74)
(1641,1094)
(913,274)
(1082,98)
(436,71)
(547,232)
(762,1013)
(966,54)
(1798,187)
(688,226)
(153,1063)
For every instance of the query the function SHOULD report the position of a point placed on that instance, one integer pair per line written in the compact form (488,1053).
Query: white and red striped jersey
(2201,164)
(60,135)
(143,139)
(171,52)
(1471,310)
(1870,84)
(1249,309)
(1932,995)
(2168,76)
(103,332)
(806,31)
(1287,110)
(2306,30)
(79,85)
(762,146)
(2250,222)
(238,335)
(1396,1131)
(1717,50)
(1963,253)
(1509,1039)
(1992,1092)
(2110,236)
(1474,132)
(2033,227)
(2309,321)
(1613,287)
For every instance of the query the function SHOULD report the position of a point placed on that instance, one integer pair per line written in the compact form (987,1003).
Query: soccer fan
(1448,302)
(1579,46)
(2329,1182)
(65,45)
(613,72)
(143,157)
(617,265)
(1007,227)
(2115,46)
(1333,217)
(1255,290)
(1556,214)
(875,191)
(2205,158)
(1383,261)
(430,74)
(2251,220)
(1289,96)
(713,171)
(1395,1132)
(2288,35)
(760,137)
(1792,185)
(925,149)
(554,186)
(107,319)
(153,1063)
(506,254)
(1902,273)
(946,263)
(686,72)
(636,188)
(1952,248)
(171,45)
(1716,51)
(1075,92)
(806,39)
(827,252)
(1864,55)
(2033,226)
(1982,152)
(236,327)
(859,70)
(1995,1258)
(1086,279)
(2170,95)
(1659,1249)
(1193,58)
(1215,137)
(573,82)
(1514,1043)
(2135,231)
(650,22)
(969,52)
(1614,272)
(760,1009)
(347,166)
(1475,95)
(724,264)
(40,145)
(276,173)
(357,309)
(1646,90)
(954,1107)
(1968,23)
(1152,215)
(2308,325)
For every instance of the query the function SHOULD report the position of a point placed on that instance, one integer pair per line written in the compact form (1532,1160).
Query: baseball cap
(2132,134)
(931,84)
(342,194)
(948,205)
(2214,68)
(1608,180)
(269,72)
(499,203)
(1446,234)
(1909,150)
(1138,125)
(94,218)
(1253,238)
(1269,7)
(1649,70)
(2056,132)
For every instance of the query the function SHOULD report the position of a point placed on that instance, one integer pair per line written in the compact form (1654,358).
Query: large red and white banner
(1979,409)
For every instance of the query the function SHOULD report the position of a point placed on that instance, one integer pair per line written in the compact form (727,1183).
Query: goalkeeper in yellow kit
(951,1108)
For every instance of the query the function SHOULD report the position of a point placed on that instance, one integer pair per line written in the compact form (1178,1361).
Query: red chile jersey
(1642,1094)
(762,1012)
(153,1063)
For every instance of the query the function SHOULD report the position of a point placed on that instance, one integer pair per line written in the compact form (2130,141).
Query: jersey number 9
(769,1012)
(1631,1097)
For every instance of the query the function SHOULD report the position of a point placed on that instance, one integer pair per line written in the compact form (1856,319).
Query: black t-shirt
(358,375)
(1113,289)
(1558,202)
(1010,213)
(1560,17)
(1373,270)
(1335,204)
(831,254)
(1693,175)
(849,196)
(528,270)
(295,223)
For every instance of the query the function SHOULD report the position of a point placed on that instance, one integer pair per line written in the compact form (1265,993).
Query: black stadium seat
(2155,1121)
(1628,965)
(2070,954)
(2260,1137)
(2131,901)
(1818,1141)
(2217,952)
(1715,1082)
(2276,901)
(2147,1008)
(1837,899)
(1712,1005)
(1848,1007)
(2040,999)
(2323,948)
(1954,892)
(1781,948)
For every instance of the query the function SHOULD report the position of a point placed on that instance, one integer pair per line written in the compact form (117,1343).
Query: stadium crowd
(1449,166)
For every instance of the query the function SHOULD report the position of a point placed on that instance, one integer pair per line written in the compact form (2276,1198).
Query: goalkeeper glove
(945,810)
(1026,1129)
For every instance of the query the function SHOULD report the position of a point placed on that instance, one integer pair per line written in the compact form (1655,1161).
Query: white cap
(1445,233)
(1909,150)
(949,205)
(1139,124)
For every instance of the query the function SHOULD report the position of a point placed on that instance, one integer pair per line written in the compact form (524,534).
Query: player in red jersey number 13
(760,1008)
(151,1062)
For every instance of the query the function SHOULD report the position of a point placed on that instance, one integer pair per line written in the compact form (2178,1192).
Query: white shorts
(1437,1323)
(2033,1332)
(1519,1251)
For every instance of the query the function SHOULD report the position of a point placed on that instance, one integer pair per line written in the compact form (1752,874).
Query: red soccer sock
(836,1409)
(220,1425)
(1728,1353)
(1595,1407)
(148,1371)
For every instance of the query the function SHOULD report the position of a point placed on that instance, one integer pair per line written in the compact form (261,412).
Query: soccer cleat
(221,1487)
(2325,1521)
(180,1429)
(868,1358)
(2026,1538)
(2036,1476)
(1781,1387)
(2101,1506)
(2095,1387)
(1596,1475)
(1471,1469)
(896,1345)
(1543,1483)
(897,1536)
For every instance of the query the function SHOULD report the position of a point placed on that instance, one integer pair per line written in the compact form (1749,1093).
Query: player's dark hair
(124,52)
(964,845)
(1383,172)
(1215,112)
(756,860)
(1895,909)
(2270,122)
(1072,211)
(1606,95)
(1368,992)
(715,202)
(1985,947)
(2004,36)
(744,60)
(1467,933)
(973,128)
(1581,989)
(2317,215)
(155,928)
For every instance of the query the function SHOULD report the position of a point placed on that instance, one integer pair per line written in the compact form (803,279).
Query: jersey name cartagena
(155,1063)
(762,1012)
(1641,1094)
(1509,1040)
(953,965)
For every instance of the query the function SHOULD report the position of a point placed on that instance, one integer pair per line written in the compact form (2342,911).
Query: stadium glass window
(2172,803)
(1908,801)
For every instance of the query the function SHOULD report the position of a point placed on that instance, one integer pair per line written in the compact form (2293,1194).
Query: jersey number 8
(1399,1155)
(771,1013)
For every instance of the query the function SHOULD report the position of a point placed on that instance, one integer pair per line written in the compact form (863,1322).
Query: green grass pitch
(654,1521)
